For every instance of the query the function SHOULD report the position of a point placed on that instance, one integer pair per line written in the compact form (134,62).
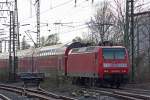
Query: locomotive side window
(75,50)
(114,53)
(90,49)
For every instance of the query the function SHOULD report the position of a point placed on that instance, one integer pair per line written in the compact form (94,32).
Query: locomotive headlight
(106,71)
(107,65)
(123,71)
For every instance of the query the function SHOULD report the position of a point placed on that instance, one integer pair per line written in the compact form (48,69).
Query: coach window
(42,53)
(54,52)
(45,53)
(51,52)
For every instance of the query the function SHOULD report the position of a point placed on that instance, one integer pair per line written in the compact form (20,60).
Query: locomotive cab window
(114,53)
(108,53)
(120,53)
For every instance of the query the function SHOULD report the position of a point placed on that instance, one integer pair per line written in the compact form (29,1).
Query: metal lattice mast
(17,26)
(126,33)
(12,38)
(38,22)
(132,38)
(129,35)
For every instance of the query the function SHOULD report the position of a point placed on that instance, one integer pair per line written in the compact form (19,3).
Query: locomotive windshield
(114,53)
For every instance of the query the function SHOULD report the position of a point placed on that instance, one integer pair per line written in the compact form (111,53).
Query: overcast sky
(52,11)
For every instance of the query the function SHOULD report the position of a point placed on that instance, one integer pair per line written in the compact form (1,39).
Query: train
(85,65)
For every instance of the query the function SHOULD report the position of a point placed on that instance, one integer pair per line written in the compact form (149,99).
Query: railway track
(42,95)
(138,91)
(126,94)
(3,97)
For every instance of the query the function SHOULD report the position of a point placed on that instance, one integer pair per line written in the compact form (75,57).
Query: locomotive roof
(112,47)
(84,49)
(91,49)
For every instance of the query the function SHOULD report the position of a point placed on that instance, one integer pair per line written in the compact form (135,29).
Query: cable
(143,4)
(30,37)
(74,30)
(62,4)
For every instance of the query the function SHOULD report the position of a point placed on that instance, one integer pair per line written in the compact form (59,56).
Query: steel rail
(127,95)
(43,95)
(3,97)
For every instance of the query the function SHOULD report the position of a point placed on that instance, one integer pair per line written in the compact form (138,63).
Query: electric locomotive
(98,65)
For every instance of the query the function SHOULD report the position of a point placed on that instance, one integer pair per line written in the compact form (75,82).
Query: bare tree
(101,24)
(50,40)
(77,39)
(42,39)
(25,45)
(141,27)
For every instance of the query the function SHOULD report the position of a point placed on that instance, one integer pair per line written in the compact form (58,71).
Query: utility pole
(126,32)
(132,38)
(38,21)
(145,13)
(17,25)
(10,46)
(129,32)
(13,38)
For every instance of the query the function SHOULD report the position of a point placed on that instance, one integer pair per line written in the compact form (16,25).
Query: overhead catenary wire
(57,6)
(65,32)
(30,37)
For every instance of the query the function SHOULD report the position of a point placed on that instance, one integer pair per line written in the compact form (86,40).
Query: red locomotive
(92,64)
(99,64)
